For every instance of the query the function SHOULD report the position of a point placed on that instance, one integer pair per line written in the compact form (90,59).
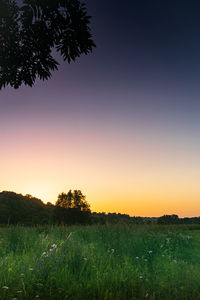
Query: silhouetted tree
(72,208)
(73,200)
(29,32)
(79,201)
(168,219)
(65,200)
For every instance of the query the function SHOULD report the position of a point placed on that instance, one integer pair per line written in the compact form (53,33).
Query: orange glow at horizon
(141,174)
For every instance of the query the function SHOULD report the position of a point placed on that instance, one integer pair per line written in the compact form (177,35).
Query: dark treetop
(30,31)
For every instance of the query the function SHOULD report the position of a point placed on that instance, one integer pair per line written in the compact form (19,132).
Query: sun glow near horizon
(138,172)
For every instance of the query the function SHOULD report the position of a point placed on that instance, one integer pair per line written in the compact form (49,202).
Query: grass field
(100,262)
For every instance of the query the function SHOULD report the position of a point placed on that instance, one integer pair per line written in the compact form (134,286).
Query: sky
(121,124)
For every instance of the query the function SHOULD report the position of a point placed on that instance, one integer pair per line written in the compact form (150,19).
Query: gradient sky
(122,124)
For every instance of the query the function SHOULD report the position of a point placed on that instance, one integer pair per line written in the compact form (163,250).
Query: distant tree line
(174,219)
(70,208)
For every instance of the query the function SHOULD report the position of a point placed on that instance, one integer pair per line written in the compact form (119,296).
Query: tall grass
(100,262)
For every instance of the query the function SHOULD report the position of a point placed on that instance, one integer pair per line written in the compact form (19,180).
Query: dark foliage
(114,218)
(29,33)
(73,200)
(72,208)
(169,219)
(27,210)
(71,216)
(19,209)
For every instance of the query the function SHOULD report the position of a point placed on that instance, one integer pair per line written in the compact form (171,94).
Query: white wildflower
(30,269)
(85,258)
(150,251)
(141,277)
(112,250)
(5,287)
(54,246)
(175,261)
(137,257)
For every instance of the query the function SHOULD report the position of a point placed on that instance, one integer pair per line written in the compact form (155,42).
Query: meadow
(100,262)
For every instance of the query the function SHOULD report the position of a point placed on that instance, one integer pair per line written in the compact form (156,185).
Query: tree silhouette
(65,200)
(73,200)
(80,201)
(29,32)
(168,219)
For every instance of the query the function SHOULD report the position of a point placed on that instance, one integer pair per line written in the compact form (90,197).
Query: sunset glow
(122,165)
(122,125)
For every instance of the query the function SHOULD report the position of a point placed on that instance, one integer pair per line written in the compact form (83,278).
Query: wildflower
(112,250)
(150,251)
(145,259)
(22,274)
(50,250)
(30,269)
(175,261)
(44,253)
(37,296)
(54,246)
(5,287)
(85,258)
(163,255)
(141,277)
(137,257)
